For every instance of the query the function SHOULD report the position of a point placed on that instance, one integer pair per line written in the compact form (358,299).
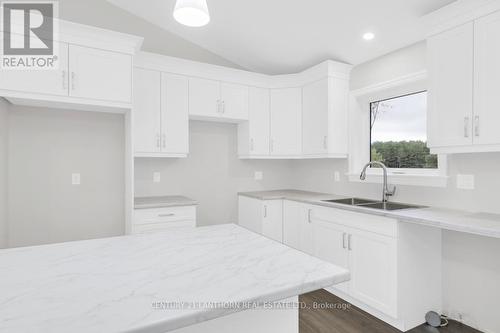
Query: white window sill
(403,179)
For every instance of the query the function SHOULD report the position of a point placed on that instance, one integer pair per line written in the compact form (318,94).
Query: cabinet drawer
(164,215)
(158,227)
(371,223)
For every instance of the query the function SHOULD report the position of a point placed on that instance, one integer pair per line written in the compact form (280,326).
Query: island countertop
(115,284)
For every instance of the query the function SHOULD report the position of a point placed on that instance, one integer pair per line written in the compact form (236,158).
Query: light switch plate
(259,175)
(75,179)
(156,177)
(465,182)
(336,176)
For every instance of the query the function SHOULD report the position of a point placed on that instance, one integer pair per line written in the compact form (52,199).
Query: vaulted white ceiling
(287,36)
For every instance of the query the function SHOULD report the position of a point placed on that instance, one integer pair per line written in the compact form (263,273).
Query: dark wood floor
(350,319)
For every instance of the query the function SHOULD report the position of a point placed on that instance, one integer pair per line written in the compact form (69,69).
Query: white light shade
(369,36)
(193,13)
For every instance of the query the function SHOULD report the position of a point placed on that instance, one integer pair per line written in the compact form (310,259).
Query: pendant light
(193,13)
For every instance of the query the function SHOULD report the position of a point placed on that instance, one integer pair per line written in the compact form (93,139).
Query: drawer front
(164,215)
(366,222)
(159,227)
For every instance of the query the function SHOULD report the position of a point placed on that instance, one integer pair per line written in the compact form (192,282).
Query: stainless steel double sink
(366,203)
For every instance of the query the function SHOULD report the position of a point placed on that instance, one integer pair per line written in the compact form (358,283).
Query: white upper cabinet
(253,135)
(451,73)
(50,82)
(286,122)
(174,114)
(99,74)
(146,109)
(161,124)
(315,118)
(234,100)
(210,99)
(93,72)
(204,98)
(487,80)
(464,76)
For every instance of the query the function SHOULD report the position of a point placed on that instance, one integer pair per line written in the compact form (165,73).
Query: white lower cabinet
(395,267)
(163,219)
(262,216)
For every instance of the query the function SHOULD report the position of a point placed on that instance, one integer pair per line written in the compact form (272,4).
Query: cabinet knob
(476,126)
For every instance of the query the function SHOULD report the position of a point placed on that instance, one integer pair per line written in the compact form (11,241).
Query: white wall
(45,147)
(471,267)
(3,171)
(212,174)
(100,13)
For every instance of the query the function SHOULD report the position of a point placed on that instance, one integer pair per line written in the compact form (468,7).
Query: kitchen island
(210,279)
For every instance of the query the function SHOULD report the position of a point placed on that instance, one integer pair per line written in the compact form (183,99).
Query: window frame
(361,100)
(400,171)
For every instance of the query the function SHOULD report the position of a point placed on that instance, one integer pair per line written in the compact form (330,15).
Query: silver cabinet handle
(217,105)
(309,212)
(325,142)
(343,240)
(251,144)
(158,141)
(466,127)
(64,79)
(166,215)
(164,141)
(476,126)
(73,79)
(223,107)
(265,210)
(349,245)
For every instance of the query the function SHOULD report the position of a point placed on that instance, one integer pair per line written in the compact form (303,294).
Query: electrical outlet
(75,179)
(156,177)
(465,182)
(336,176)
(258,175)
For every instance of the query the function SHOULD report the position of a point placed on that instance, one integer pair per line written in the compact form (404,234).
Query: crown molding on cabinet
(328,68)
(458,13)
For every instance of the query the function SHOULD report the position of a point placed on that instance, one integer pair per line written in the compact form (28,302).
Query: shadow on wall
(212,174)
(45,148)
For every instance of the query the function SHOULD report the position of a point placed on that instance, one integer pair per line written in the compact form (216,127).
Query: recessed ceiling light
(369,36)
(193,13)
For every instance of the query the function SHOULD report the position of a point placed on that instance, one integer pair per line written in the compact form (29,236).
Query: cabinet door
(258,122)
(286,119)
(50,82)
(330,244)
(487,80)
(99,74)
(272,224)
(373,264)
(234,99)
(174,114)
(297,229)
(204,98)
(146,109)
(450,62)
(315,118)
(250,213)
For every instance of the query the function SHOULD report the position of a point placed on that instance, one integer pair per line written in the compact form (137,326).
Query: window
(398,132)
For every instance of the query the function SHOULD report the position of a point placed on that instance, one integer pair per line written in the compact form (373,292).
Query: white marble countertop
(483,224)
(163,201)
(115,284)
